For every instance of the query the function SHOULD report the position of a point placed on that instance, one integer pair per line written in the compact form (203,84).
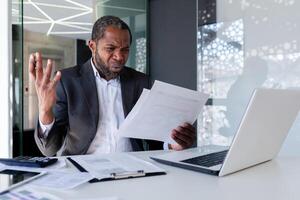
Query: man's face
(111,52)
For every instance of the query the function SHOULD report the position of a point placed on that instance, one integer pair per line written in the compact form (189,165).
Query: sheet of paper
(160,110)
(101,198)
(28,194)
(138,104)
(101,166)
(62,180)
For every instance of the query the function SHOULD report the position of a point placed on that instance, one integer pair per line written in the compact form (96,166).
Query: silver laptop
(263,128)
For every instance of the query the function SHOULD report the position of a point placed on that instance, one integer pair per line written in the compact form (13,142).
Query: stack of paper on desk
(160,110)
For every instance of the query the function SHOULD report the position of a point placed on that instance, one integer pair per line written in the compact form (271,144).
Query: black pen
(81,169)
(78,166)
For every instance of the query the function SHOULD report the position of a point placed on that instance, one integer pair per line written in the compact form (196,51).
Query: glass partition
(243,45)
(17,76)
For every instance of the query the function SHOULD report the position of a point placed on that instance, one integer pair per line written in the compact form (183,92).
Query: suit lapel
(88,84)
(127,89)
(128,95)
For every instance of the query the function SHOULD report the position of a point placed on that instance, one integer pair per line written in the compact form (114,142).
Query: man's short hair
(103,22)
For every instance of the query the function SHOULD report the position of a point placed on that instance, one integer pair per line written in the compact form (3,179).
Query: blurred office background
(226,48)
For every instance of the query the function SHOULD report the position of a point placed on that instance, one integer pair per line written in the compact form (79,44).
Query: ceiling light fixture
(70,32)
(123,8)
(77,25)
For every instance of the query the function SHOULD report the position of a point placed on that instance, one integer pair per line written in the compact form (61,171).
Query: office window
(243,45)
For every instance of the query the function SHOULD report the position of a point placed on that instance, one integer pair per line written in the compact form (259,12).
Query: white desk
(277,179)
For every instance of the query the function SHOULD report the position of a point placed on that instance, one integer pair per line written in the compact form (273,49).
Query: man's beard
(104,69)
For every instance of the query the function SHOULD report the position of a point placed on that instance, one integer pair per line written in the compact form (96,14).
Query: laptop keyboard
(208,160)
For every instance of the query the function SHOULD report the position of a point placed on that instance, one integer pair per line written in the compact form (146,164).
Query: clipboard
(119,175)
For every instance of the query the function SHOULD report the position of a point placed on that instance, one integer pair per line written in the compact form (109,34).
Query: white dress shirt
(111,115)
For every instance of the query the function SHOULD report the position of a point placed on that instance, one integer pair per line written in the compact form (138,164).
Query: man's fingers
(179,140)
(38,67)
(188,139)
(189,126)
(184,135)
(55,79)
(32,66)
(186,131)
(47,73)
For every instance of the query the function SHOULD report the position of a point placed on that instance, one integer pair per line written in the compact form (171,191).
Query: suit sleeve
(55,138)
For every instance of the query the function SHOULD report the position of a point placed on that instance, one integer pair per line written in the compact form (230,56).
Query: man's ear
(92,46)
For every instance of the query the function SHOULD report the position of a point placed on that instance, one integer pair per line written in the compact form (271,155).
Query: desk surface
(277,179)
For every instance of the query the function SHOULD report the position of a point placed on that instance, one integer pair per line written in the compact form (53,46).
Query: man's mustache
(117,64)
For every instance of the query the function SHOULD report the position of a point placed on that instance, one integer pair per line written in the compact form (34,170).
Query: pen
(81,169)
(77,165)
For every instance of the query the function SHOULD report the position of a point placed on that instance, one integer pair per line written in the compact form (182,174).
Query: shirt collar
(115,81)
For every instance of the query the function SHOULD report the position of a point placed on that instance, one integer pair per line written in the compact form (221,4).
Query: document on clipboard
(107,167)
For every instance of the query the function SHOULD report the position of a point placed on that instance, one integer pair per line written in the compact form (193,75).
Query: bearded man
(81,107)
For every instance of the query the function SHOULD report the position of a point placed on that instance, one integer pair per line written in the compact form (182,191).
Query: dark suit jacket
(77,111)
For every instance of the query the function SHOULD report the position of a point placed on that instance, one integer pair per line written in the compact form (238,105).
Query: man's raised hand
(44,85)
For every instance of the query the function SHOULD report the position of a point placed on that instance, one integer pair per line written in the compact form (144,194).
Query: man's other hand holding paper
(184,135)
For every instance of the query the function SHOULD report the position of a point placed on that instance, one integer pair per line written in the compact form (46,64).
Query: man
(81,108)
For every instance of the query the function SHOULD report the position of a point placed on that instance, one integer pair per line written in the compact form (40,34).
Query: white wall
(5,79)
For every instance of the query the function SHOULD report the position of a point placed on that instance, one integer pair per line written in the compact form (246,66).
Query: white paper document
(100,198)
(160,110)
(28,194)
(62,180)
